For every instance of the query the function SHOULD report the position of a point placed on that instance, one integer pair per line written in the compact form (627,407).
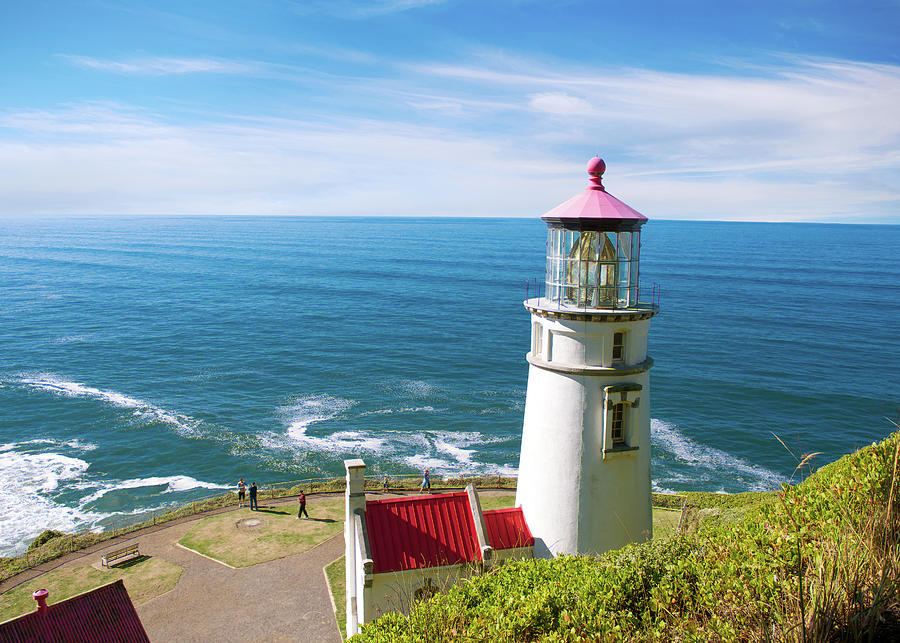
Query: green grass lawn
(227,538)
(337,583)
(144,577)
(496,499)
(665,522)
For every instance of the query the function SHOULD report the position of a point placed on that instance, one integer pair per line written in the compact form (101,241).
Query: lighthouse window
(618,424)
(618,347)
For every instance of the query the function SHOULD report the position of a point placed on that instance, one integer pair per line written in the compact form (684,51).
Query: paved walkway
(281,600)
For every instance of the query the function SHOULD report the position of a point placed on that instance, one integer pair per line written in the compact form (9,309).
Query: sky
(784,110)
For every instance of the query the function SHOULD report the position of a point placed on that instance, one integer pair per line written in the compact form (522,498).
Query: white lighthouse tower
(584,470)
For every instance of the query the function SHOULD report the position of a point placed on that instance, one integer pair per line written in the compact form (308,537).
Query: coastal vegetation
(819,561)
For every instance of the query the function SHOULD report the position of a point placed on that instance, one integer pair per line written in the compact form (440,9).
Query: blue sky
(762,111)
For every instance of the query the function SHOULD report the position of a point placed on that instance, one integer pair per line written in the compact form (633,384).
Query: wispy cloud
(161,66)
(809,139)
(356,9)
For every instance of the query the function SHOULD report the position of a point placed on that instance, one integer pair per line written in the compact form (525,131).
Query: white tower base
(583,487)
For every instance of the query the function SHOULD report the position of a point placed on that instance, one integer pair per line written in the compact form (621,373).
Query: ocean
(150,361)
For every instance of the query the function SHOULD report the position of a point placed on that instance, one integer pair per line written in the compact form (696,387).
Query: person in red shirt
(302,500)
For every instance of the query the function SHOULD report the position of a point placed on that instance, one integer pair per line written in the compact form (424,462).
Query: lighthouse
(584,468)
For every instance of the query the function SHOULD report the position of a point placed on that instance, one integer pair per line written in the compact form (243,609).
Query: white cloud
(161,66)
(560,103)
(810,140)
(356,9)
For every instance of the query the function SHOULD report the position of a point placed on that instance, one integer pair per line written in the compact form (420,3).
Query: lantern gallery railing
(590,296)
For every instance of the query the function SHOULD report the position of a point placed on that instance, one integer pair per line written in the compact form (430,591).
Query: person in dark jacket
(302,500)
(253,504)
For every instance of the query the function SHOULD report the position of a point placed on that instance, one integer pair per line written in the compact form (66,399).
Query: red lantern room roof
(594,207)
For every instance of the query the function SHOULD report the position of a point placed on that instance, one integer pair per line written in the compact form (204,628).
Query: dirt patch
(249,523)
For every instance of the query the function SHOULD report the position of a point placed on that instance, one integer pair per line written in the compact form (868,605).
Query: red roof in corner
(103,615)
(421,531)
(506,528)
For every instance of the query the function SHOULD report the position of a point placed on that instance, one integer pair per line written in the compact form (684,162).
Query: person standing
(242,487)
(426,481)
(253,504)
(302,500)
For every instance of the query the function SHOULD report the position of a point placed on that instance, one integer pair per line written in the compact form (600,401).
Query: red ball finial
(596,167)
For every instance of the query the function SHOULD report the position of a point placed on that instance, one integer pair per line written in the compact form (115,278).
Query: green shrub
(814,562)
(43,537)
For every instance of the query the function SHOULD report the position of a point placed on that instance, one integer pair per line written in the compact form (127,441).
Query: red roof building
(102,615)
(399,550)
(421,531)
(431,531)
(507,529)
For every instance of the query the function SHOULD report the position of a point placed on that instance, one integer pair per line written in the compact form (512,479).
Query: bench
(119,554)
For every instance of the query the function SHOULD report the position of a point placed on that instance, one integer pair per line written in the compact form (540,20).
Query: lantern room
(593,249)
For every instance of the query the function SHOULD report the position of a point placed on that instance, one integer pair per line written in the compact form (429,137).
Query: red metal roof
(421,531)
(594,202)
(103,615)
(506,528)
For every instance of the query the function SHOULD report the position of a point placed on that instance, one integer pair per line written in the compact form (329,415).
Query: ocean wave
(448,453)
(72,339)
(28,480)
(705,463)
(302,411)
(340,442)
(405,409)
(183,424)
(75,444)
(173,484)
(418,388)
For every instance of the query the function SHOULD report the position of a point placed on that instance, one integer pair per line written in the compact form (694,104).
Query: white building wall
(580,496)
(396,591)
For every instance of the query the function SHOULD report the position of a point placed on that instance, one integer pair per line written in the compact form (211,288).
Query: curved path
(286,599)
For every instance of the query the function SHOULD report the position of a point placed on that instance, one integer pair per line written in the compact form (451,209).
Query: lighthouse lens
(592,268)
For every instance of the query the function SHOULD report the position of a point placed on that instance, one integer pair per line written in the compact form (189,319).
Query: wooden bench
(119,554)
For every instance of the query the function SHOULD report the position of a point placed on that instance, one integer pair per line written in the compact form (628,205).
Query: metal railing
(648,296)
(89,535)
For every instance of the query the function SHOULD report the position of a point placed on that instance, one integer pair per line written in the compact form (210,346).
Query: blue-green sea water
(149,361)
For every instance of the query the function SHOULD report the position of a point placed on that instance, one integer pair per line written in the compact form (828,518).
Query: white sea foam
(700,457)
(72,339)
(303,411)
(308,409)
(417,388)
(81,446)
(183,424)
(408,409)
(75,444)
(173,484)
(447,453)
(29,479)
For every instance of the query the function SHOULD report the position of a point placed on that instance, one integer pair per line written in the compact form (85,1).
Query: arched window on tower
(622,400)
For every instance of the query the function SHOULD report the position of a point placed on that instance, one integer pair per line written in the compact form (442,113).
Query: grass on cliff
(819,561)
